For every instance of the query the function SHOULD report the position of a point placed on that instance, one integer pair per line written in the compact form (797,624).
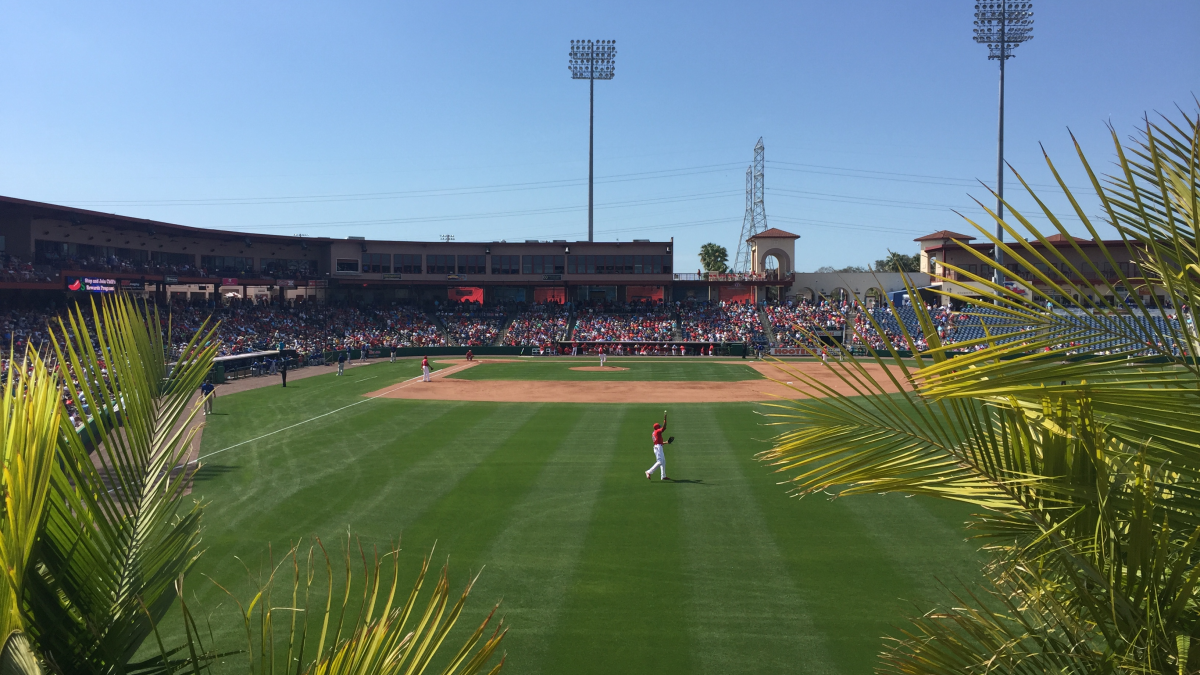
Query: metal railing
(731,276)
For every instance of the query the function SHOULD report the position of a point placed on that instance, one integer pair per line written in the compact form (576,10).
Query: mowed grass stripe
(626,610)
(845,576)
(532,562)
(746,614)
(444,496)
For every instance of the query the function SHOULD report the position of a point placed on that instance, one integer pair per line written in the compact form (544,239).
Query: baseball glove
(670,440)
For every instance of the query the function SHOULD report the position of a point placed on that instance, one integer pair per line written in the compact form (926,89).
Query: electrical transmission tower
(755,220)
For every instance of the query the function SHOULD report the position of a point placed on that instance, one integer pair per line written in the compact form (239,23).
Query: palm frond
(114,542)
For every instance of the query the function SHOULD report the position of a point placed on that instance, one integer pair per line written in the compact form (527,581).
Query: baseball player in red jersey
(425,369)
(660,459)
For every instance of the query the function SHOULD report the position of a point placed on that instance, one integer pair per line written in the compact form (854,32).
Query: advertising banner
(285,283)
(91,284)
(391,276)
(133,284)
(317,283)
(170,279)
(790,351)
(229,281)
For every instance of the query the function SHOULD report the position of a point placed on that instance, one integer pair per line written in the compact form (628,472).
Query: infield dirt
(552,391)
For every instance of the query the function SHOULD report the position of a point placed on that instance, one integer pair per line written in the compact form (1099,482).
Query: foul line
(444,371)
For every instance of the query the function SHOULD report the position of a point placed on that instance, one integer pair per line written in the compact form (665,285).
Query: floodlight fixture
(1002,26)
(592,60)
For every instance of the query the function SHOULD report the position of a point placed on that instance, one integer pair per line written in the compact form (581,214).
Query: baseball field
(599,570)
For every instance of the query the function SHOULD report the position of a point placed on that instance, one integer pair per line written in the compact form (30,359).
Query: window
(618,264)
(440,264)
(408,263)
(506,264)
(375,263)
(346,265)
(164,258)
(545,264)
(227,264)
(472,264)
(973,268)
(288,267)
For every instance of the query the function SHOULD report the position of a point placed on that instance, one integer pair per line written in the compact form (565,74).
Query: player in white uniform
(602,356)
(660,459)
(425,369)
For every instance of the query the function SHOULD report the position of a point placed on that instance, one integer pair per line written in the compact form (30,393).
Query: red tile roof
(775,233)
(1058,237)
(945,234)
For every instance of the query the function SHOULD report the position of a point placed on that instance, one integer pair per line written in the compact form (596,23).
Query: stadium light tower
(1002,26)
(592,60)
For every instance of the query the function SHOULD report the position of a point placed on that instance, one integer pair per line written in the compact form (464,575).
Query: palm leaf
(114,541)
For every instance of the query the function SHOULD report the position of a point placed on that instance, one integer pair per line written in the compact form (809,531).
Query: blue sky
(411,120)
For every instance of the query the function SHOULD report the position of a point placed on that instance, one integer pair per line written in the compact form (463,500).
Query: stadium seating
(539,326)
(720,322)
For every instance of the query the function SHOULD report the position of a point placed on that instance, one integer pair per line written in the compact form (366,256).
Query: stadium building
(58,249)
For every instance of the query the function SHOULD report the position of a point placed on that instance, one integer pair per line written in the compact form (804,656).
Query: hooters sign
(790,351)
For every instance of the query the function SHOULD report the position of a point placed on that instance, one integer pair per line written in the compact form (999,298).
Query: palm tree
(714,257)
(96,545)
(1074,429)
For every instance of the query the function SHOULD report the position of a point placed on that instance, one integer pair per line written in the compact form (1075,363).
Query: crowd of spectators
(113,263)
(311,329)
(624,322)
(14,269)
(790,321)
(720,322)
(539,326)
(470,324)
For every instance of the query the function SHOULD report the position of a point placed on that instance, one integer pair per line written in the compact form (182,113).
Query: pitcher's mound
(598,369)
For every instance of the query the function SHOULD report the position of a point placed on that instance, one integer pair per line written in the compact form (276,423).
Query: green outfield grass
(649,370)
(600,570)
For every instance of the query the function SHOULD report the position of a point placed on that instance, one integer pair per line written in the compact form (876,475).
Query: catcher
(660,459)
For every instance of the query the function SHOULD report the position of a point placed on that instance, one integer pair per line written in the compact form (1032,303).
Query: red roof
(1054,238)
(774,233)
(945,234)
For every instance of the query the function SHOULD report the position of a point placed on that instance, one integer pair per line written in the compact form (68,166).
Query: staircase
(508,321)
(442,327)
(768,329)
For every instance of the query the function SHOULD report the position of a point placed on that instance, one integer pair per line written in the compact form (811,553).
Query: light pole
(1002,26)
(592,60)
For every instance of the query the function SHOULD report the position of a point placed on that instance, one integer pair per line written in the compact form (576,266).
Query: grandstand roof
(774,233)
(945,234)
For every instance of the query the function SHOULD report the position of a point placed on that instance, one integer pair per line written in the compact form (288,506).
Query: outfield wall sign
(790,351)
(92,284)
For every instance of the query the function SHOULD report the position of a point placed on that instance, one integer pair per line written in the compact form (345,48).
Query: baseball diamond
(600,572)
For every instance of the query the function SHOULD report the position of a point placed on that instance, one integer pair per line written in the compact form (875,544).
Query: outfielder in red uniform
(660,459)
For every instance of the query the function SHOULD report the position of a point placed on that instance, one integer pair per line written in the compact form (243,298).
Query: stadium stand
(472,325)
(624,322)
(790,321)
(539,326)
(720,322)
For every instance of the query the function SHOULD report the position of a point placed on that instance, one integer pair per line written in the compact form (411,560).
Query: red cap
(656,425)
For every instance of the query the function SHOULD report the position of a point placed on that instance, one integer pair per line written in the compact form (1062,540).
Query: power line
(898,176)
(500,214)
(407,194)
